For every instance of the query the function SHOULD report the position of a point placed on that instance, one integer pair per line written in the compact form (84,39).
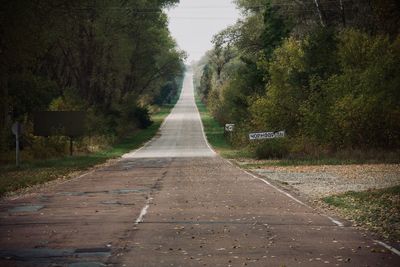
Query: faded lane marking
(336,222)
(143,212)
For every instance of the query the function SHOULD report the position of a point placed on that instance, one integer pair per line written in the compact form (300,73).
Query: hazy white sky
(194,22)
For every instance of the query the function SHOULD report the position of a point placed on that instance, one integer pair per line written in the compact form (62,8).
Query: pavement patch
(99,252)
(86,264)
(117,191)
(26,208)
(127,191)
(37,253)
(58,256)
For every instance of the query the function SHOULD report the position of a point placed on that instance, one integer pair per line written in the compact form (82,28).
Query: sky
(193,23)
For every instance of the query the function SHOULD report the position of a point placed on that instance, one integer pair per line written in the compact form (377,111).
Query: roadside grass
(377,210)
(31,173)
(215,135)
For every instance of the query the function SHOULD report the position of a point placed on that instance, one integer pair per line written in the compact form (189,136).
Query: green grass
(41,171)
(377,210)
(215,134)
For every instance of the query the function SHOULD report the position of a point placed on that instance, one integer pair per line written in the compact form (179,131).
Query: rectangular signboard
(266,135)
(67,123)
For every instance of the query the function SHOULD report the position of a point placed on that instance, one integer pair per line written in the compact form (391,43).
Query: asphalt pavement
(174,202)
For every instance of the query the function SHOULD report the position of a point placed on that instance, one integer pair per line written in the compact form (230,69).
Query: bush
(142,116)
(365,96)
(48,147)
(271,149)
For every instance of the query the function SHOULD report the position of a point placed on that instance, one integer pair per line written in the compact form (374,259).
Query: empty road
(174,202)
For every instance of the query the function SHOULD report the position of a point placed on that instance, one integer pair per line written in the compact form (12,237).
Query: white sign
(17,129)
(267,135)
(229,127)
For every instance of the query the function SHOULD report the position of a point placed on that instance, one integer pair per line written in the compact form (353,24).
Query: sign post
(229,128)
(17,131)
(71,145)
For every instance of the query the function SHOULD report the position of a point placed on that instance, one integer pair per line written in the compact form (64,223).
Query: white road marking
(276,188)
(338,223)
(202,128)
(230,163)
(392,249)
(143,212)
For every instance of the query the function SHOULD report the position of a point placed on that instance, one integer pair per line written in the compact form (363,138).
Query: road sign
(266,135)
(58,123)
(17,129)
(229,127)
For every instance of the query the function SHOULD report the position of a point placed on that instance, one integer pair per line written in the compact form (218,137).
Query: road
(176,203)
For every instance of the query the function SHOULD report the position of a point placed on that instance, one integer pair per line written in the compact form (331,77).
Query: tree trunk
(342,12)
(320,13)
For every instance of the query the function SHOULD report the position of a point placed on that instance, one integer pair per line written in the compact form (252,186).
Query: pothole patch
(26,208)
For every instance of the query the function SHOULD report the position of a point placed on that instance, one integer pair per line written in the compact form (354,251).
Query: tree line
(325,71)
(111,58)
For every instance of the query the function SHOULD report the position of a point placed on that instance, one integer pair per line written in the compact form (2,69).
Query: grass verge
(41,171)
(215,134)
(377,210)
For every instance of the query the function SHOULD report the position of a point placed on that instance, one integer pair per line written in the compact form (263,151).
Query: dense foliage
(111,58)
(326,72)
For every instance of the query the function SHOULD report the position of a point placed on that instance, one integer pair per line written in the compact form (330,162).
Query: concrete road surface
(175,203)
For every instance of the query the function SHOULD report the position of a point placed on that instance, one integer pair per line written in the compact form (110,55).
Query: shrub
(365,105)
(271,149)
(142,116)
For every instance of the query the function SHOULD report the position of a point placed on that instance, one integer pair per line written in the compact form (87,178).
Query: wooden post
(17,147)
(71,148)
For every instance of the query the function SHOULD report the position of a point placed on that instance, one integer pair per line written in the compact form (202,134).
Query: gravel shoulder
(321,181)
